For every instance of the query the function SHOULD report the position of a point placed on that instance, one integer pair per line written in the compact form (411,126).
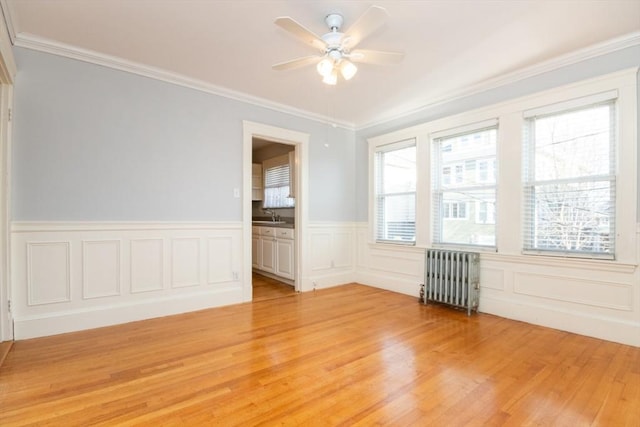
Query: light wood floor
(350,355)
(265,288)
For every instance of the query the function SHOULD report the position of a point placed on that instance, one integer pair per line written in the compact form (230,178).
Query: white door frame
(7,76)
(252,130)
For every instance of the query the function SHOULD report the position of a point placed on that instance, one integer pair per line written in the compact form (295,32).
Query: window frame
(269,164)
(441,139)
(377,151)
(509,174)
(529,182)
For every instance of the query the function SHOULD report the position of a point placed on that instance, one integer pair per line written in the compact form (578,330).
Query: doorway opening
(273,206)
(279,230)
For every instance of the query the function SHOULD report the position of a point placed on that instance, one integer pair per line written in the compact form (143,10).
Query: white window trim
(382,148)
(509,193)
(530,182)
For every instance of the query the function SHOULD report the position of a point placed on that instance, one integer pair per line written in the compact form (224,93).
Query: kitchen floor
(265,288)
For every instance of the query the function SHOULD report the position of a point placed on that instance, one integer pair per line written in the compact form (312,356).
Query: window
(569,178)
(395,192)
(470,157)
(486,212)
(276,183)
(454,210)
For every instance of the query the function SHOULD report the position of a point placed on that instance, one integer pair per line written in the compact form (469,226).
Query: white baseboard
(390,283)
(77,320)
(330,280)
(605,328)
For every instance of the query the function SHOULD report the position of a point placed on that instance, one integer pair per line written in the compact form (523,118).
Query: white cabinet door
(285,261)
(268,249)
(256,252)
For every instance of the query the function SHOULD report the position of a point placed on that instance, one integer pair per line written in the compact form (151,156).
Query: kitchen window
(277,191)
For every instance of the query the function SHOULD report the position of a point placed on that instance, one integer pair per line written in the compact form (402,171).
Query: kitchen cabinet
(273,251)
(285,266)
(268,249)
(256,249)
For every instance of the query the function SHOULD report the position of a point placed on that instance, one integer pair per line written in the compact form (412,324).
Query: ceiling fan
(337,53)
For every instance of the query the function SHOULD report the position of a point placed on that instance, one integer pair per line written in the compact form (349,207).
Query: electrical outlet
(236,193)
(235,275)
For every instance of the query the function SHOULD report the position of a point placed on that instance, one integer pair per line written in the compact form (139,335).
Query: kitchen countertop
(263,224)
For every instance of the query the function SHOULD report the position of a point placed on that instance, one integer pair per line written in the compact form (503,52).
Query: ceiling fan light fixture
(348,69)
(331,78)
(325,67)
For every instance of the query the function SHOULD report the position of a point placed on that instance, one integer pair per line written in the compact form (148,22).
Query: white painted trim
(66,226)
(562,262)
(41,44)
(95,317)
(301,142)
(606,328)
(8,67)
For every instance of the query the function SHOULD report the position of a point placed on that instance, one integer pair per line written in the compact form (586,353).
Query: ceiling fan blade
(300,32)
(296,63)
(371,20)
(367,56)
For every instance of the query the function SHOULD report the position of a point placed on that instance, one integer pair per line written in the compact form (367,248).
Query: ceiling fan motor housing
(334,21)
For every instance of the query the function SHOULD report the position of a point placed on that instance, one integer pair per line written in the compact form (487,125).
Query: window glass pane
(573,144)
(569,202)
(459,224)
(399,170)
(395,171)
(276,188)
(465,191)
(573,216)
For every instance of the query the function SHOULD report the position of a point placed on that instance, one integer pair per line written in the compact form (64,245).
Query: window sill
(610,266)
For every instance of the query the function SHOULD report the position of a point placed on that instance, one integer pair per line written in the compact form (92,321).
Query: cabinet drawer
(255,230)
(267,231)
(284,233)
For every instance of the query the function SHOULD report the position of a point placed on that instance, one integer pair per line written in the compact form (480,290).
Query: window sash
(463,186)
(571,213)
(395,193)
(276,187)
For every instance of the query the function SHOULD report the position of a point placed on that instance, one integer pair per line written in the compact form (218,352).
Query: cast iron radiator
(452,278)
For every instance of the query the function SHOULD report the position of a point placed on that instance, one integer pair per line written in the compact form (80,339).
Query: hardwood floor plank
(349,355)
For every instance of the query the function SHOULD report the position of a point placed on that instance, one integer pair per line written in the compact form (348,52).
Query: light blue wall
(96,144)
(92,143)
(615,61)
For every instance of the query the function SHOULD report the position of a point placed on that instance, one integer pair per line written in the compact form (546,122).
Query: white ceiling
(452,47)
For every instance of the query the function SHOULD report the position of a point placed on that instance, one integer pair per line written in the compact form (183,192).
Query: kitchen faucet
(274,216)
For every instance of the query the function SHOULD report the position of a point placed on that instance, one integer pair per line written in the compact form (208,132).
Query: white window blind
(276,187)
(395,193)
(464,185)
(569,179)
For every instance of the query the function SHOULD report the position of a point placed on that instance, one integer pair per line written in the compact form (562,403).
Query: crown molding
(41,44)
(30,41)
(593,51)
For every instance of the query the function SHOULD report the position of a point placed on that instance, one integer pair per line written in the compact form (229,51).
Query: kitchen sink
(268,222)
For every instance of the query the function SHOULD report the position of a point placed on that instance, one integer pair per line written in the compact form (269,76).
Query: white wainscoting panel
(330,253)
(68,276)
(578,291)
(48,278)
(101,271)
(147,272)
(185,262)
(221,265)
